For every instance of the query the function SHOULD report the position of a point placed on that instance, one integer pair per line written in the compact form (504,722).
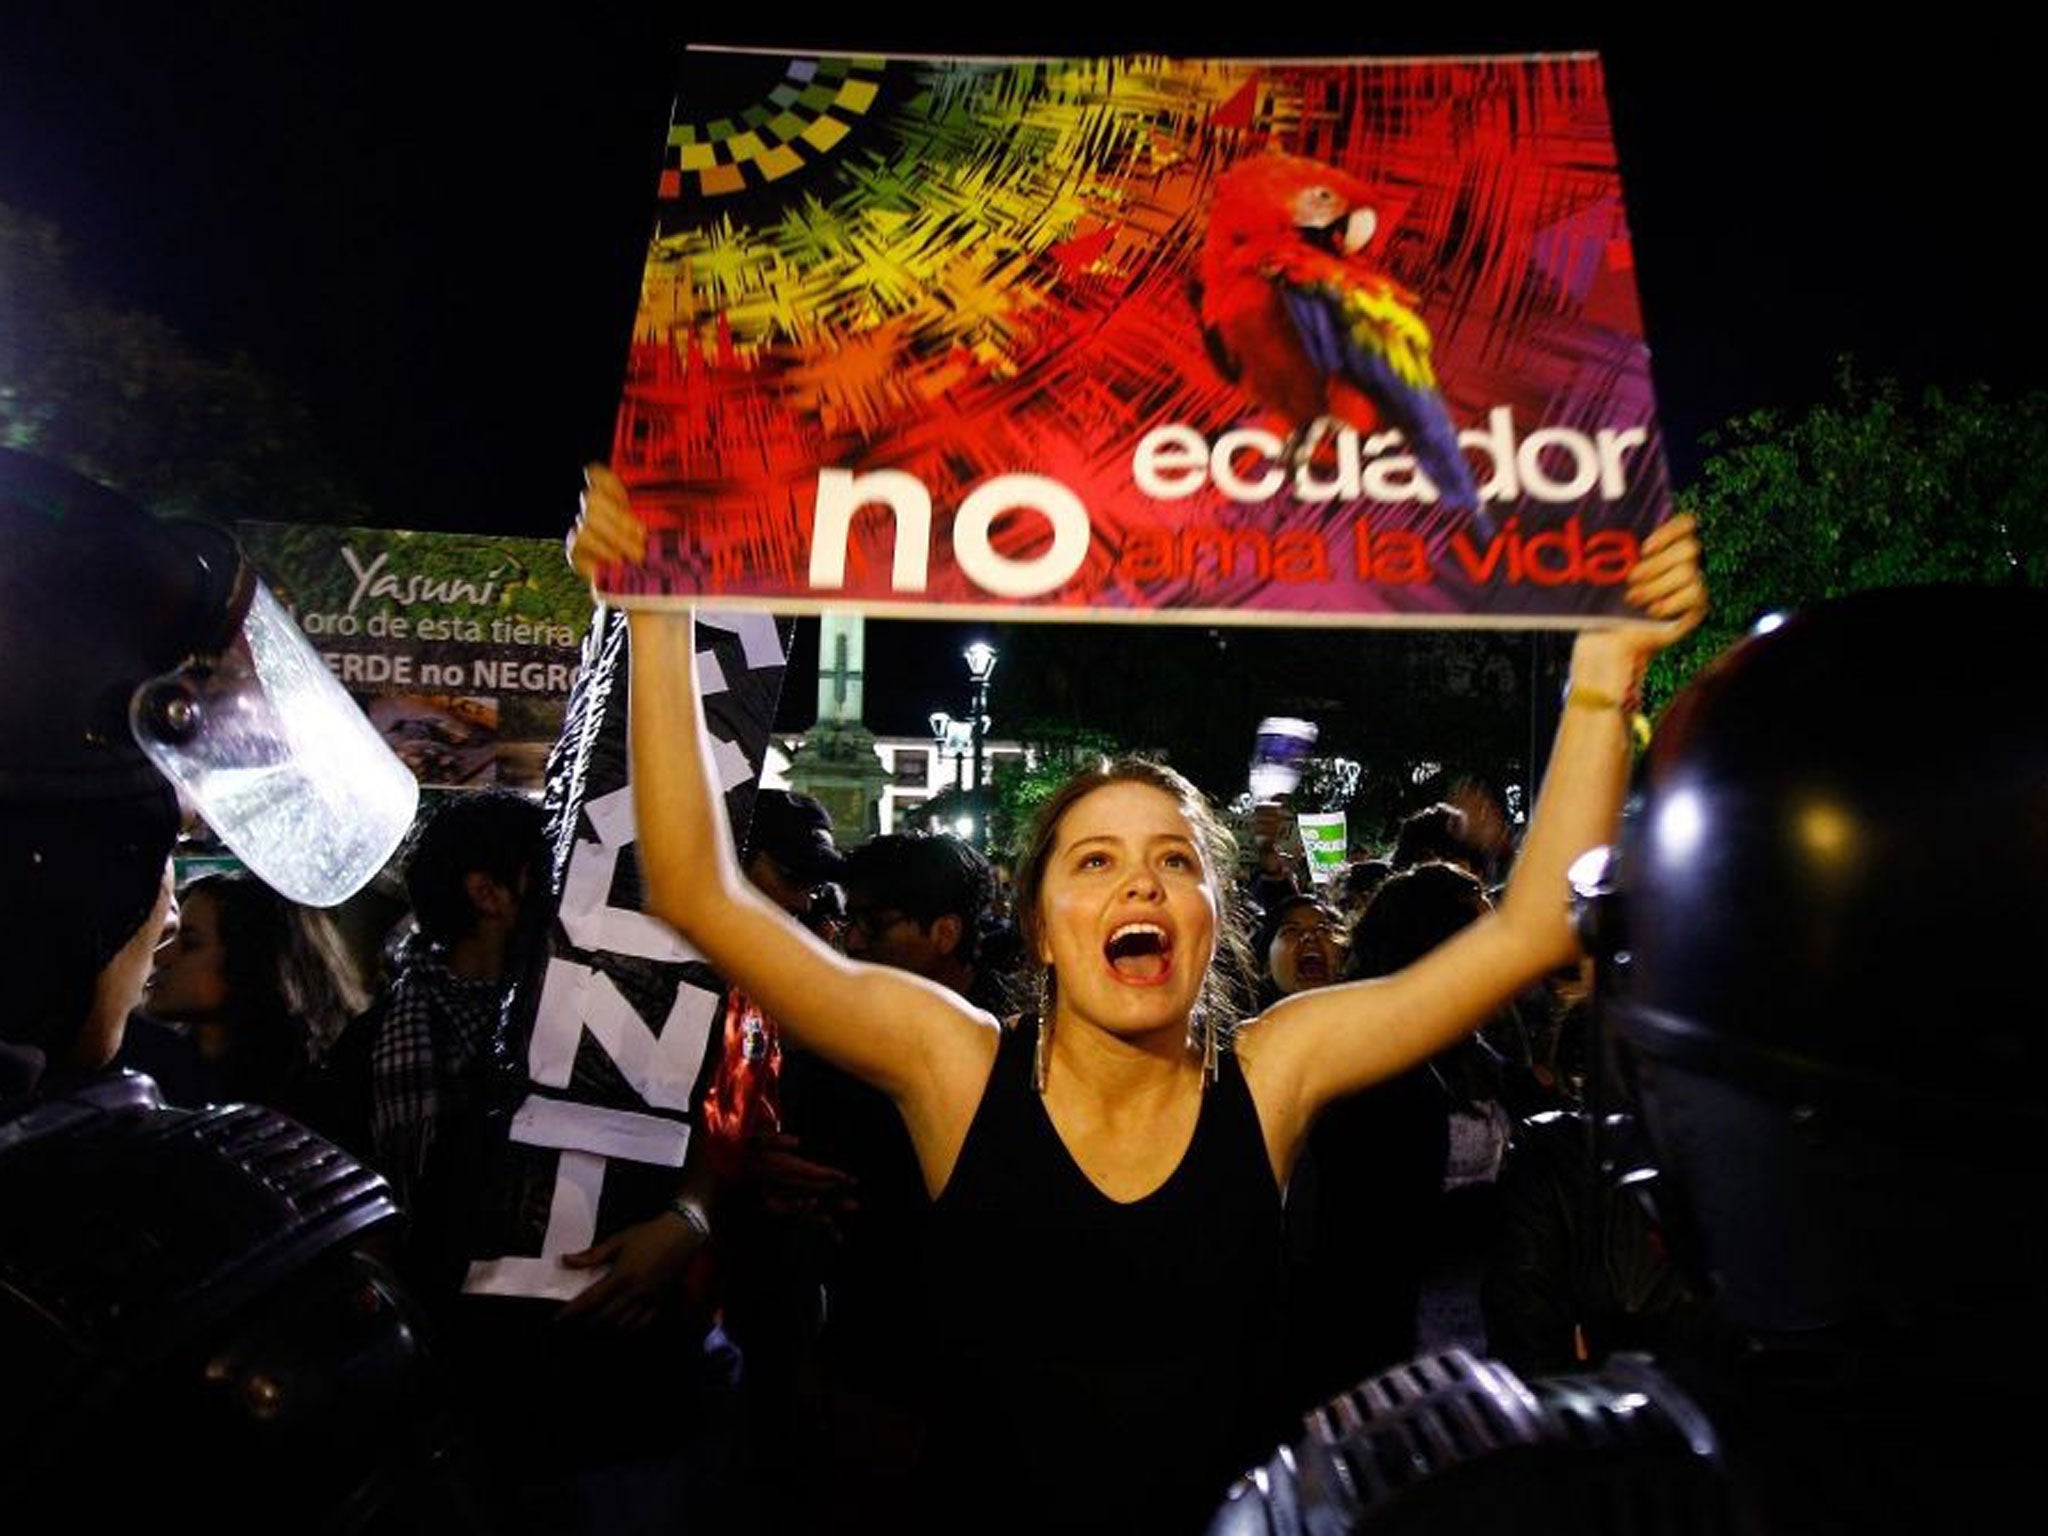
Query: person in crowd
(472,868)
(1819,983)
(743,1163)
(1433,834)
(1356,885)
(925,905)
(1418,908)
(751,1198)
(1456,1109)
(1362,1208)
(793,857)
(922,905)
(625,1406)
(1307,948)
(1468,830)
(261,985)
(1276,871)
(192,1337)
(794,861)
(1106,1243)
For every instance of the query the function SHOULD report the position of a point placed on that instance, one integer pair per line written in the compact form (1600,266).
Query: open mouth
(1139,953)
(1312,968)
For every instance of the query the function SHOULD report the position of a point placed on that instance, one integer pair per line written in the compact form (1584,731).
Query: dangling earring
(1205,1031)
(1041,1048)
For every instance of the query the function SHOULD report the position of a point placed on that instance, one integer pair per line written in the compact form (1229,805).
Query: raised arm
(920,1044)
(1317,1046)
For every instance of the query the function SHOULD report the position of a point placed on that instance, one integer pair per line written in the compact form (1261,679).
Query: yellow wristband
(1579,696)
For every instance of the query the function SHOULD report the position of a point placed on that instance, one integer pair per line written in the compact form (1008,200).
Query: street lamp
(981,666)
(964,737)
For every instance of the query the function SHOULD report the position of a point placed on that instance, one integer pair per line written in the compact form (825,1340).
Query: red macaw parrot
(1294,314)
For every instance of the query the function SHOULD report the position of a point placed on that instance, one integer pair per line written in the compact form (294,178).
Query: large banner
(617,1017)
(1215,341)
(461,648)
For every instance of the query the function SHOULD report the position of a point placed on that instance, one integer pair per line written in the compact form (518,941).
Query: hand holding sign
(1666,584)
(606,531)
(650,1267)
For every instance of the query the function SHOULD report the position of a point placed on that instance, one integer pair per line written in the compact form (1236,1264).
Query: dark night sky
(432,232)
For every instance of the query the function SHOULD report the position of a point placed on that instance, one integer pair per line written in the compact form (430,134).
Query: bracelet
(1579,696)
(693,1215)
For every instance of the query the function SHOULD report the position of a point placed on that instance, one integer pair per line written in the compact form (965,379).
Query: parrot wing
(1364,334)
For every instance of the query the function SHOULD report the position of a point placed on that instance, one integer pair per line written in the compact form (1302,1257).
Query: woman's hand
(1319,1045)
(1665,585)
(649,1267)
(606,531)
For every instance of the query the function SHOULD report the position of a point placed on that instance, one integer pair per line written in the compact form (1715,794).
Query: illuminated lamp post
(981,666)
(963,737)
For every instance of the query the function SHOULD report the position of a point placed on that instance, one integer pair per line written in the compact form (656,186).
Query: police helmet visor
(264,743)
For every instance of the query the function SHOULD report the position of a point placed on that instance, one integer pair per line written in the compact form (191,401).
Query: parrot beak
(1358,229)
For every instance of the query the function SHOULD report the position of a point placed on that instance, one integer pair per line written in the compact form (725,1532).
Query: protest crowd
(811,1327)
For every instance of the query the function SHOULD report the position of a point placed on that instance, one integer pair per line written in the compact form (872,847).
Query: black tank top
(1100,1365)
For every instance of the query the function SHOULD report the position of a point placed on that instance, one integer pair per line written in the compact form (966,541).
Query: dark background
(429,223)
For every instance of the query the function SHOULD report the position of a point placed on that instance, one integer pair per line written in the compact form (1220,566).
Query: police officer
(186,1323)
(1817,947)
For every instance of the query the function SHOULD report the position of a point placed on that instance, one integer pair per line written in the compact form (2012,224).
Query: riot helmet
(1816,950)
(144,657)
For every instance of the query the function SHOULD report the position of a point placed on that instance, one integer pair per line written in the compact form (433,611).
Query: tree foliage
(1058,753)
(120,396)
(1872,488)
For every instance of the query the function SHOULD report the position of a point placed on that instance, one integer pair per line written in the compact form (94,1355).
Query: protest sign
(461,648)
(1201,340)
(616,1016)
(1324,841)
